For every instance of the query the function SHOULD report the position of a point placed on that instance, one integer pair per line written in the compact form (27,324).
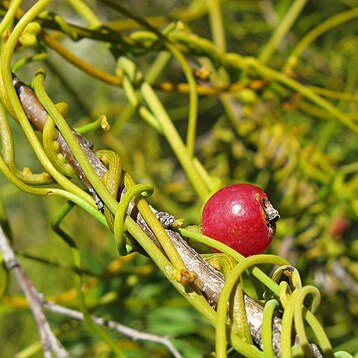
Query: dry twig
(37,302)
(49,341)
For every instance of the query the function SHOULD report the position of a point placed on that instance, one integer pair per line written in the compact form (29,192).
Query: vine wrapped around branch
(206,278)
(278,326)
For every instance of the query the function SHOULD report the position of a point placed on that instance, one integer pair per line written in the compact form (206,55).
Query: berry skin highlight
(242,217)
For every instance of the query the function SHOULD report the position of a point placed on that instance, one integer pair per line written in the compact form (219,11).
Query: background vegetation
(276,106)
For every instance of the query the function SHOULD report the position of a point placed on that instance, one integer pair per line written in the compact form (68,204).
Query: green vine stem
(78,62)
(319,333)
(282,29)
(86,12)
(249,65)
(216,25)
(5,23)
(240,326)
(151,75)
(225,297)
(299,313)
(15,106)
(88,207)
(269,311)
(51,147)
(334,21)
(193,99)
(118,225)
(10,15)
(7,149)
(175,141)
(166,126)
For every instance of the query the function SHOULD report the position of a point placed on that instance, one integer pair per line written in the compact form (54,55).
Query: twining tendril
(222,262)
(290,274)
(290,296)
(8,155)
(231,281)
(266,328)
(118,228)
(51,147)
(193,98)
(299,313)
(113,181)
(105,193)
(295,312)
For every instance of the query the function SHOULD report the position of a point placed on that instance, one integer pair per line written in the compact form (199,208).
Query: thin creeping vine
(230,283)
(116,193)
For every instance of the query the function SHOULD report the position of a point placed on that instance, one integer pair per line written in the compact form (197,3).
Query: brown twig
(49,341)
(36,301)
(127,331)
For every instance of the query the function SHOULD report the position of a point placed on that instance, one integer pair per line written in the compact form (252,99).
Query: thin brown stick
(127,331)
(49,341)
(36,302)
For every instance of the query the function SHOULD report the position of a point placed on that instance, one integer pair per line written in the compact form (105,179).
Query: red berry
(242,217)
(338,226)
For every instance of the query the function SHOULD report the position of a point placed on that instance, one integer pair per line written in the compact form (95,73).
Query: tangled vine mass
(183,98)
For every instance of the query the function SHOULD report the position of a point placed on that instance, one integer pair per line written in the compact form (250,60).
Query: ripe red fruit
(242,217)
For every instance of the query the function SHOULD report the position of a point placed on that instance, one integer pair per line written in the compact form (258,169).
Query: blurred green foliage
(251,128)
